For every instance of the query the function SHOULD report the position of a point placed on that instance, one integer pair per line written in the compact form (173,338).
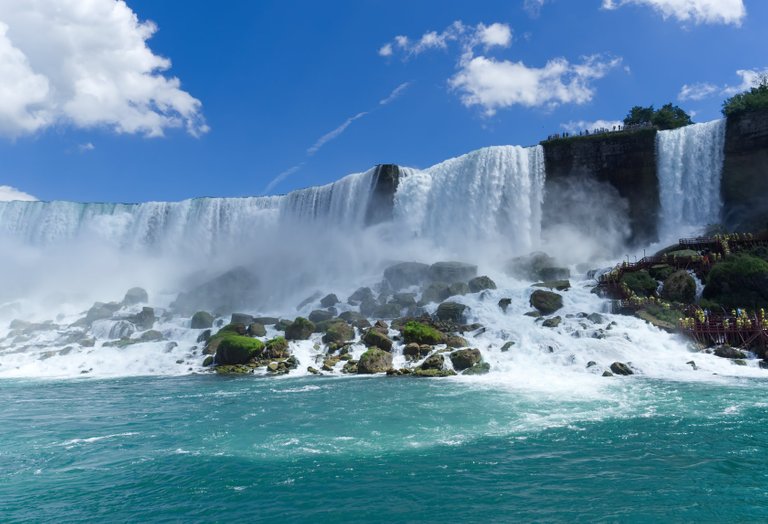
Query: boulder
(435,361)
(374,360)
(135,295)
(679,287)
(419,333)
(481,283)
(507,346)
(144,319)
(388,311)
(307,301)
(241,318)
(451,272)
(546,302)
(596,318)
(257,330)
(451,312)
(504,303)
(404,300)
(235,349)
(406,274)
(619,368)
(529,267)
(465,358)
(276,348)
(552,322)
(299,329)
(374,337)
(266,321)
(481,368)
(730,352)
(230,291)
(202,320)
(559,285)
(554,273)
(455,341)
(458,289)
(339,332)
(435,292)
(151,336)
(360,295)
(414,351)
(319,315)
(238,329)
(100,311)
(208,361)
(329,300)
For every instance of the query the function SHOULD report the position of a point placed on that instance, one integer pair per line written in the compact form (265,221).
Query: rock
(455,341)
(419,333)
(282,325)
(552,322)
(435,361)
(481,283)
(151,336)
(307,301)
(202,320)
(559,285)
(360,295)
(145,319)
(318,315)
(692,364)
(679,287)
(375,338)
(339,332)
(388,311)
(312,370)
(451,272)
(529,267)
(229,291)
(350,367)
(368,306)
(433,373)
(204,336)
(122,329)
(239,329)
(739,362)
(607,374)
(329,363)
(507,346)
(730,352)
(406,274)
(504,303)
(374,360)
(619,368)
(276,348)
(414,351)
(591,364)
(300,329)
(554,273)
(763,364)
(404,300)
(135,295)
(596,318)
(100,311)
(546,302)
(435,292)
(481,368)
(208,361)
(266,321)
(236,349)
(465,358)
(458,289)
(351,317)
(329,300)
(451,312)
(257,330)
(241,318)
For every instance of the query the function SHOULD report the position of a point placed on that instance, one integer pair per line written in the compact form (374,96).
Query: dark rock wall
(382,200)
(745,172)
(627,161)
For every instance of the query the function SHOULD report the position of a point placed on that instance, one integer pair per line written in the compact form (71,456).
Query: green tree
(752,100)
(668,117)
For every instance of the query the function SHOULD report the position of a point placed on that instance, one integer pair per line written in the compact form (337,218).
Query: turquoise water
(207,448)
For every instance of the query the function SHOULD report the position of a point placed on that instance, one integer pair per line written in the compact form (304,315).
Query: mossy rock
(679,287)
(257,330)
(238,328)
(202,320)
(300,329)
(455,341)
(208,361)
(552,322)
(451,312)
(233,370)
(421,334)
(661,272)
(465,358)
(481,368)
(276,348)
(236,349)
(433,373)
(435,361)
(641,283)
(374,360)
(374,337)
(339,332)
(546,302)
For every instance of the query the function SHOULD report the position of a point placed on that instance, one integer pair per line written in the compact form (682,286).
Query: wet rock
(546,302)
(404,300)
(413,351)
(451,312)
(329,300)
(229,291)
(299,329)
(208,361)
(144,319)
(266,321)
(692,364)
(202,320)
(237,349)
(307,301)
(591,364)
(507,346)
(465,358)
(376,338)
(451,272)
(319,315)
(435,292)
(529,267)
(481,368)
(420,333)
(100,311)
(339,332)
(435,361)
(239,329)
(314,371)
(730,352)
(455,341)
(406,274)
(432,373)
(504,303)
(554,273)
(596,318)
(257,330)
(559,285)
(135,295)
(619,368)
(241,318)
(122,329)
(458,289)
(374,360)
(277,347)
(360,295)
(481,283)
(607,374)
(552,322)
(388,311)
(350,367)
(679,287)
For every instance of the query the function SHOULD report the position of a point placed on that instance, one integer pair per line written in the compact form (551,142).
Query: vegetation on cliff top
(667,117)
(752,100)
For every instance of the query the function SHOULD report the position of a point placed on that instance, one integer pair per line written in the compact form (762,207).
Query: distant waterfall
(490,194)
(689,166)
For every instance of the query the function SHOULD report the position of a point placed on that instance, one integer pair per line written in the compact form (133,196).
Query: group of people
(602,130)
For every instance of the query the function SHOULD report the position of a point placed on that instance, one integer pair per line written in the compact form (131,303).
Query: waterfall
(488,195)
(689,166)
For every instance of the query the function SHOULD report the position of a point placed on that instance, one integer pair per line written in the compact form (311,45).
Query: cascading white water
(689,166)
(486,195)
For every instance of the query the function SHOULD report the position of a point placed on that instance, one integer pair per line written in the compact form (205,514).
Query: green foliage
(668,117)
(739,281)
(237,349)
(421,333)
(665,314)
(752,100)
(641,283)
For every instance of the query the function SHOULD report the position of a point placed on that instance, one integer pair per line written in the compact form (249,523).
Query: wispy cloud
(84,148)
(8,193)
(696,11)
(699,91)
(335,133)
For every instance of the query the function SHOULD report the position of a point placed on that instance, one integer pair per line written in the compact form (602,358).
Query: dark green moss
(641,283)
(236,349)
(421,334)
(740,281)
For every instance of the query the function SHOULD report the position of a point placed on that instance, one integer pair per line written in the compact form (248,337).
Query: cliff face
(745,171)
(382,201)
(626,161)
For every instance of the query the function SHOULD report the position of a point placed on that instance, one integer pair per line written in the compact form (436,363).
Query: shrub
(752,100)
(739,281)
(641,283)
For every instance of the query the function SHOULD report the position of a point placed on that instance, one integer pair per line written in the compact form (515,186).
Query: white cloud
(749,78)
(88,146)
(533,7)
(385,50)
(399,90)
(8,193)
(495,35)
(696,11)
(86,63)
(494,84)
(590,125)
(333,134)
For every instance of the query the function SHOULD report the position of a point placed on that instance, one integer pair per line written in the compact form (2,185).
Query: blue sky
(92,112)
